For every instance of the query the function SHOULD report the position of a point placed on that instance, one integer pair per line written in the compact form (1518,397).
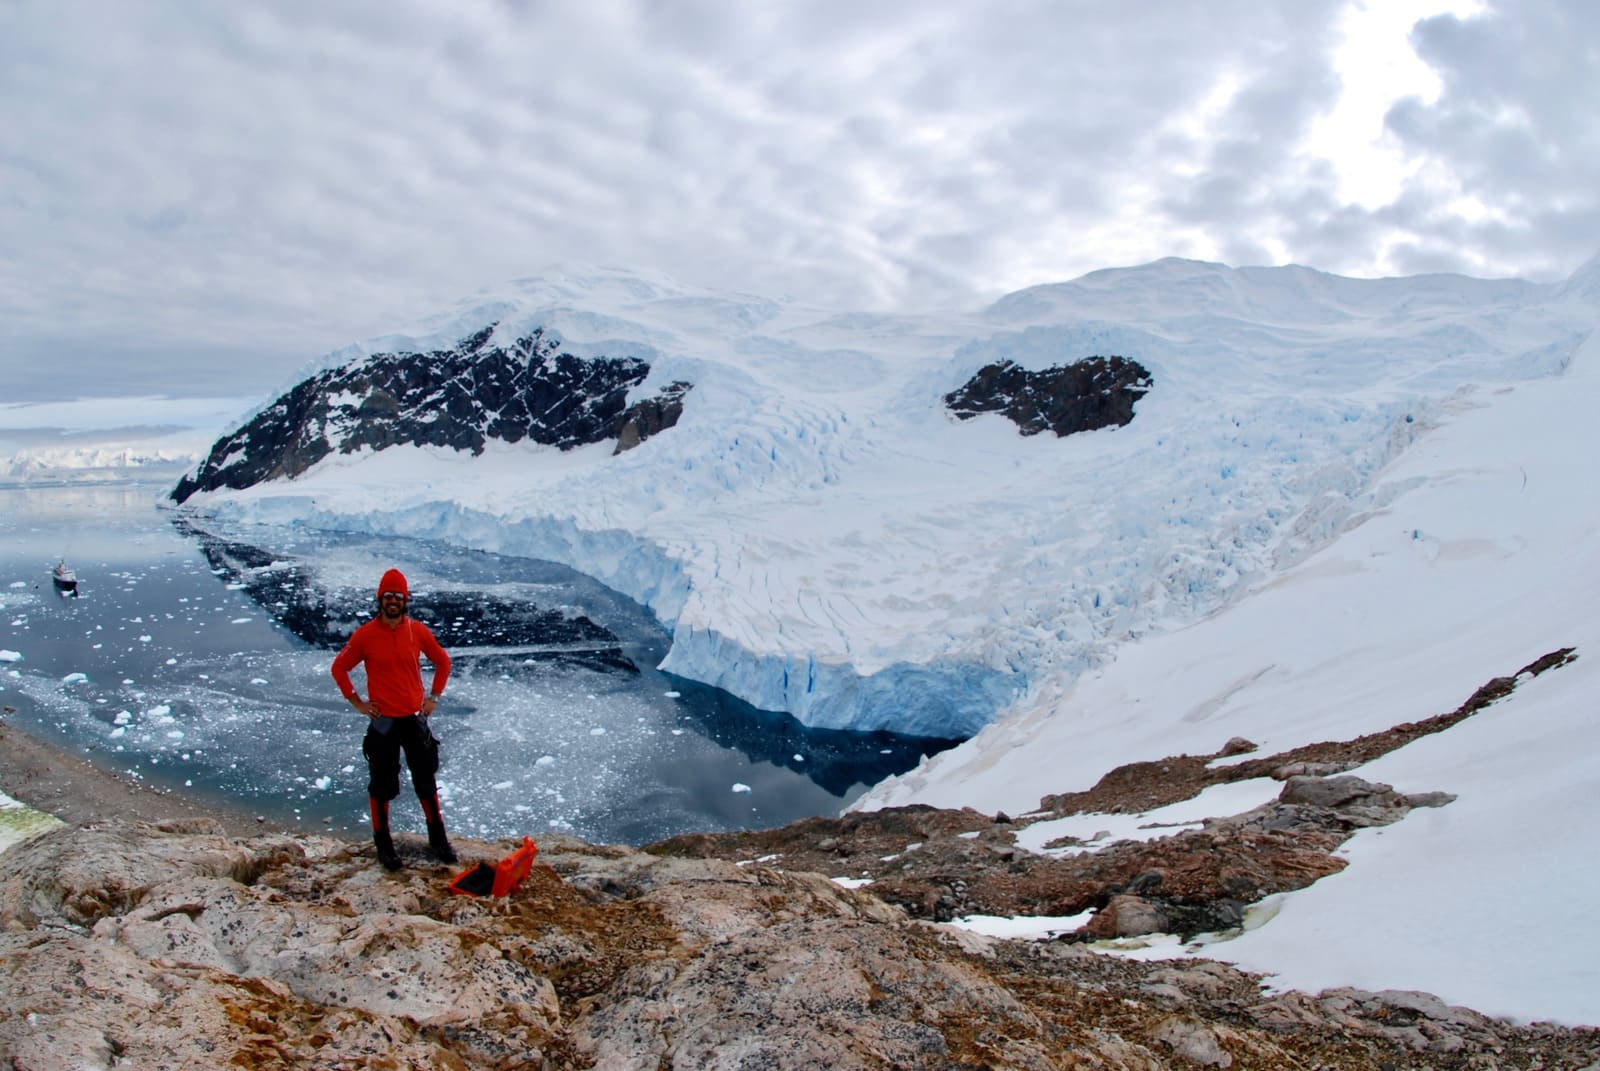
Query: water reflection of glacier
(199,658)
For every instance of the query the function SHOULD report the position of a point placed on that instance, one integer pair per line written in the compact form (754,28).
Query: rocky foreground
(179,945)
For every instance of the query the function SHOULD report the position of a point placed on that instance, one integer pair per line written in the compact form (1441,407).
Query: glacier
(820,536)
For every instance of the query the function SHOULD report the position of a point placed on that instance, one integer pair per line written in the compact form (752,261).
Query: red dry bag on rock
(499,879)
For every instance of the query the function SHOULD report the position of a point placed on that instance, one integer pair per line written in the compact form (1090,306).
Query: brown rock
(1193,1041)
(1127,916)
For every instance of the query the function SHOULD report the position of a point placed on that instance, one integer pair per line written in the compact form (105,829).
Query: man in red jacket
(392,646)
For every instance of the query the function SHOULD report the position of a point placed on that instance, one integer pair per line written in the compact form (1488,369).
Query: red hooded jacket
(393,659)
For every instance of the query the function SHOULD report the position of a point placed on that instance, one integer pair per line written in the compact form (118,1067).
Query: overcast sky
(200,197)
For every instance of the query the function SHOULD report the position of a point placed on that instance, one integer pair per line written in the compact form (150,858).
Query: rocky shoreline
(140,934)
(53,780)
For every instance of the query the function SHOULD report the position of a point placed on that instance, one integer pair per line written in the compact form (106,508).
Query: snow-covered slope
(823,537)
(1470,555)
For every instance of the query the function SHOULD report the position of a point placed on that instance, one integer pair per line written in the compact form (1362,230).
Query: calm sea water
(197,658)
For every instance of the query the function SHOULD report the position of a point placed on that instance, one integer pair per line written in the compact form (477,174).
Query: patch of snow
(1021,927)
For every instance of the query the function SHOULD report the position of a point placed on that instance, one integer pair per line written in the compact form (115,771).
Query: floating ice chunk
(119,731)
(241,621)
(19,583)
(799,758)
(673,695)
(546,760)
(323,782)
(172,661)
(10,656)
(146,638)
(258,680)
(347,769)
(598,730)
(74,678)
(123,718)
(677,732)
(162,711)
(501,786)
(175,734)
(740,786)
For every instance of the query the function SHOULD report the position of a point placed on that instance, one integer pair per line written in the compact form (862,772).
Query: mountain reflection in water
(537,672)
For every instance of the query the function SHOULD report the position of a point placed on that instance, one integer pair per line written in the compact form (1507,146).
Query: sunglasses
(393,595)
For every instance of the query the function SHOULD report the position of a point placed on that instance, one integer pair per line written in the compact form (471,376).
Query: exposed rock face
(459,398)
(1096,392)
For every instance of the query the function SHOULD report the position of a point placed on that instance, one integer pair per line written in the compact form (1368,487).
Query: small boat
(65,580)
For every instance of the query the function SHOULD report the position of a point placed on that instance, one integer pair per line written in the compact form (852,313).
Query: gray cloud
(187,186)
(1516,129)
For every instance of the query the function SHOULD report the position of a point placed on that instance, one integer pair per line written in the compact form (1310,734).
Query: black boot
(380,835)
(437,841)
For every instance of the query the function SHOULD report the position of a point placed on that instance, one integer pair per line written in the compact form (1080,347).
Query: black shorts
(412,736)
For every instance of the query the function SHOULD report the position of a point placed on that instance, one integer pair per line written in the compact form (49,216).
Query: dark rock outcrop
(459,398)
(1096,392)
(648,416)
